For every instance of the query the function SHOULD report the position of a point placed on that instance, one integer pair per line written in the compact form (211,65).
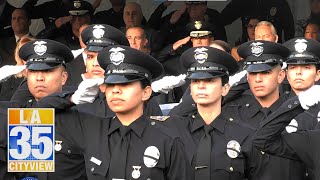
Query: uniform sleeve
(269,138)
(287,21)
(179,165)
(232,12)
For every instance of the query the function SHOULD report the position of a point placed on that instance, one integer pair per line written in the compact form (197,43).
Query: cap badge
(300,45)
(273,11)
(200,55)
(98,31)
(256,49)
(77,4)
(233,149)
(117,56)
(197,24)
(40,48)
(151,156)
(136,172)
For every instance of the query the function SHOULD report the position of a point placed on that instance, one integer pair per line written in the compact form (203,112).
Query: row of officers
(108,128)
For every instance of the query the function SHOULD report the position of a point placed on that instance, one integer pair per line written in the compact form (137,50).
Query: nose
(201,85)
(116,89)
(95,63)
(40,76)
(299,70)
(258,77)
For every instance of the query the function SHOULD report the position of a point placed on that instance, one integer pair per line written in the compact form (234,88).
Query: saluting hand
(177,14)
(87,91)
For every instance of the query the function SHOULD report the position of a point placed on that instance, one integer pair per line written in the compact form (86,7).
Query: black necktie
(202,168)
(118,160)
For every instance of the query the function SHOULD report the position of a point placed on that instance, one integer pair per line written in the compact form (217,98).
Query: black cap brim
(42,66)
(94,48)
(259,67)
(121,79)
(205,75)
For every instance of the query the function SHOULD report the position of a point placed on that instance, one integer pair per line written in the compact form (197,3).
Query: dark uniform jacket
(5,19)
(191,130)
(110,17)
(303,145)
(97,137)
(248,110)
(9,87)
(75,68)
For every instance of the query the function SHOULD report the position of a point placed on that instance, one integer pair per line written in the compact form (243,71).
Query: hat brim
(259,67)
(302,60)
(78,12)
(42,66)
(94,48)
(205,75)
(121,79)
(197,34)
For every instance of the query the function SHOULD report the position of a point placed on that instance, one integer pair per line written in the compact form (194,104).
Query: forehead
(131,8)
(19,12)
(134,32)
(301,65)
(263,29)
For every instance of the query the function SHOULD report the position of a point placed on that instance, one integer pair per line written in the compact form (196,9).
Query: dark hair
(144,83)
(26,12)
(224,80)
(317,67)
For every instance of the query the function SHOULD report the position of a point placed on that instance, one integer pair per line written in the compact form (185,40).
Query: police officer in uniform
(46,61)
(263,60)
(217,148)
(301,145)
(124,147)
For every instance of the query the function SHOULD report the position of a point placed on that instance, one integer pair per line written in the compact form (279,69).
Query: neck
(269,100)
(209,113)
(20,35)
(128,117)
(103,88)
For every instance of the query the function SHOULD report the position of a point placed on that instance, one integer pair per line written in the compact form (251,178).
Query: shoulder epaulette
(159,118)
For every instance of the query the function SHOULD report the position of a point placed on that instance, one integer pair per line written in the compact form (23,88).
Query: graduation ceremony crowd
(166,98)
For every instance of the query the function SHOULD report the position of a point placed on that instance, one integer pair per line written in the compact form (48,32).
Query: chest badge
(151,156)
(292,126)
(58,145)
(136,172)
(233,149)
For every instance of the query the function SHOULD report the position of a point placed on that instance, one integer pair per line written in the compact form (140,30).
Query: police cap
(44,54)
(303,51)
(207,62)
(262,55)
(99,36)
(123,64)
(199,29)
(80,8)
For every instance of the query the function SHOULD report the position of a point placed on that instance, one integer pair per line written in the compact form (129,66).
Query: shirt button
(193,105)
(193,116)
(148,179)
(153,123)
(92,169)
(262,152)
(30,100)
(289,106)
(247,105)
(230,119)
(231,168)
(295,102)
(69,151)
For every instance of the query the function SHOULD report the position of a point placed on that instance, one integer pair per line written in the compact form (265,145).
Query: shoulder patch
(159,118)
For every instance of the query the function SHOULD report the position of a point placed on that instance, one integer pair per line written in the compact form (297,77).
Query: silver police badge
(116,56)
(40,48)
(151,156)
(292,126)
(77,4)
(136,172)
(233,149)
(58,145)
(98,31)
(257,49)
(300,45)
(200,55)
(197,24)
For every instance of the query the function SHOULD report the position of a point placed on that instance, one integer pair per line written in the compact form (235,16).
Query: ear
(64,77)
(317,76)
(145,42)
(281,76)
(225,89)
(146,94)
(277,38)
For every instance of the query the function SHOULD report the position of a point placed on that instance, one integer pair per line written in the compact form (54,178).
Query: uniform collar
(198,122)
(137,126)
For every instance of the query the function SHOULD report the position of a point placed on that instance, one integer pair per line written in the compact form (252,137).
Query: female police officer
(129,145)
